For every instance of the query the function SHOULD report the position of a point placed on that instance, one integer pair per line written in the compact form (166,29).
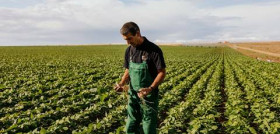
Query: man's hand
(119,87)
(144,91)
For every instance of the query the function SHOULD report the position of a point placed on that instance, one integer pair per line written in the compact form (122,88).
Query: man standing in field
(145,68)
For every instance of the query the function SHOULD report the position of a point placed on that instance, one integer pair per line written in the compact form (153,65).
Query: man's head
(131,33)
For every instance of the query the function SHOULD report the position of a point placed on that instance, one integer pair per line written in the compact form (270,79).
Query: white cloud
(250,22)
(96,21)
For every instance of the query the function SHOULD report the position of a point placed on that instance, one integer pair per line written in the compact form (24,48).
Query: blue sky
(58,22)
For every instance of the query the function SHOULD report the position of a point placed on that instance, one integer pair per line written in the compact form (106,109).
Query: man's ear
(138,34)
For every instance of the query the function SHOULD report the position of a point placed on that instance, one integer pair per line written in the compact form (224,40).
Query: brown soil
(268,51)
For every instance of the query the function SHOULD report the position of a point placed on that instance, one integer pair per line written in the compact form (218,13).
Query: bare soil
(267,51)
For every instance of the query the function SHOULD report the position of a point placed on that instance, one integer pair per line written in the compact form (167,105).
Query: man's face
(132,40)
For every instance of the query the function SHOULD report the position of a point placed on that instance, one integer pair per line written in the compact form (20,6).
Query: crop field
(68,89)
(267,51)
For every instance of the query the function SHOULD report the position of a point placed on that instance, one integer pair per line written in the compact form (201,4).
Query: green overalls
(139,110)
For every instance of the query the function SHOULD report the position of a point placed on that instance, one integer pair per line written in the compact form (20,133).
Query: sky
(67,22)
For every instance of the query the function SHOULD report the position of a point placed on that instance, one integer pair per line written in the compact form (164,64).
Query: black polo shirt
(152,52)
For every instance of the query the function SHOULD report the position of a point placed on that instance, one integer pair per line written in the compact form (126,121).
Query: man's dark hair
(129,27)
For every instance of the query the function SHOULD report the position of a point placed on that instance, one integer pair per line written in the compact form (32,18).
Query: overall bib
(139,110)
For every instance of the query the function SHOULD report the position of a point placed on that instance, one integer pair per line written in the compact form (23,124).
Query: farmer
(145,69)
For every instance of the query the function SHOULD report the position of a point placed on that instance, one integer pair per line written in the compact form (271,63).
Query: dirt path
(254,50)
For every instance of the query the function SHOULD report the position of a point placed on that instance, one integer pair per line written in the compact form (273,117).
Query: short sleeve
(126,58)
(158,59)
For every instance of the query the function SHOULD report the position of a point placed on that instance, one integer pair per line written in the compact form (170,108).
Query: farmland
(68,89)
(268,51)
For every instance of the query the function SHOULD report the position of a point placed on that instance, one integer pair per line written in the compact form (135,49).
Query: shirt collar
(144,43)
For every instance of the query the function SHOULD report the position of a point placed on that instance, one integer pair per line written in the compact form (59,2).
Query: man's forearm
(159,79)
(125,77)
